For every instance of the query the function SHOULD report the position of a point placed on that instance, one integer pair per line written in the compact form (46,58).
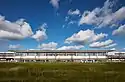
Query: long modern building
(55,55)
(116,56)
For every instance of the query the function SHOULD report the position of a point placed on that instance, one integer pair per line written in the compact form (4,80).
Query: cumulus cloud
(53,46)
(55,3)
(85,36)
(111,45)
(19,29)
(102,17)
(75,12)
(113,49)
(105,44)
(17,46)
(72,17)
(71,47)
(48,46)
(119,31)
(41,33)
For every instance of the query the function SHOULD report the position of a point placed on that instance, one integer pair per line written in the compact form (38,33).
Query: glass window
(41,54)
(31,54)
(9,55)
(24,54)
(50,54)
(100,54)
(18,54)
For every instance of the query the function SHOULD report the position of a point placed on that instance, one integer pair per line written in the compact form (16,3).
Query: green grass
(62,72)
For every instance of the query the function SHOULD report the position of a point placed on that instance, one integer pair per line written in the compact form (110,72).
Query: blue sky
(62,24)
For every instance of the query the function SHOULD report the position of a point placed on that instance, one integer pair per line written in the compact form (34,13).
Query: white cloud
(20,29)
(113,49)
(72,22)
(48,46)
(2,18)
(10,35)
(119,31)
(107,43)
(17,46)
(66,18)
(44,25)
(75,12)
(53,46)
(102,17)
(70,47)
(41,33)
(14,30)
(55,3)
(111,45)
(89,17)
(70,19)
(83,37)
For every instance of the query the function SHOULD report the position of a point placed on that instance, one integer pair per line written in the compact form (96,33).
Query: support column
(46,57)
(66,55)
(24,61)
(72,57)
(76,54)
(55,56)
(89,55)
(35,56)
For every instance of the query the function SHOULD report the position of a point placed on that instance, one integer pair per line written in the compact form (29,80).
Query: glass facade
(41,54)
(31,54)
(120,54)
(55,56)
(91,54)
(18,54)
(64,54)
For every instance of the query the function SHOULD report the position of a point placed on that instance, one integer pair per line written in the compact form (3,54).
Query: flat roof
(60,51)
(6,52)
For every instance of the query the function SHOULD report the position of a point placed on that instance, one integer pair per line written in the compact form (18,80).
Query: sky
(62,24)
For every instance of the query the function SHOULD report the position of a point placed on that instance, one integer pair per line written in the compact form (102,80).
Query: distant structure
(61,55)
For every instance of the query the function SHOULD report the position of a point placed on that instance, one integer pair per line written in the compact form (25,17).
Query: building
(55,55)
(116,56)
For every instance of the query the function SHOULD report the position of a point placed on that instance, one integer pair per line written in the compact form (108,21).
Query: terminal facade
(61,55)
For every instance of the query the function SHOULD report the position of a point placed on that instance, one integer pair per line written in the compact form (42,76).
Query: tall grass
(62,72)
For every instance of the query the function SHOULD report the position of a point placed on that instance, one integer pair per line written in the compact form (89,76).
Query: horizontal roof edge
(33,51)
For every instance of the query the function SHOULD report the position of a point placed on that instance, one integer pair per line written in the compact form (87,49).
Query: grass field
(62,72)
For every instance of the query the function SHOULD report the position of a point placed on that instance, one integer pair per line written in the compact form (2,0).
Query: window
(31,54)
(41,54)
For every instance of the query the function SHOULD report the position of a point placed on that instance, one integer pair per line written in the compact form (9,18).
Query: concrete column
(35,56)
(89,56)
(55,56)
(14,56)
(20,56)
(72,57)
(46,57)
(96,56)
(66,55)
(76,54)
(24,61)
